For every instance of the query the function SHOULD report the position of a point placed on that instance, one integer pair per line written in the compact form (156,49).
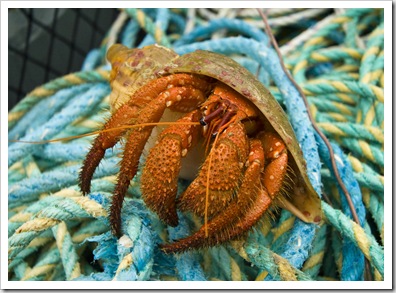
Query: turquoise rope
(105,251)
(129,34)
(364,179)
(353,130)
(318,247)
(178,22)
(353,259)
(187,265)
(141,252)
(67,252)
(328,106)
(54,85)
(92,60)
(344,226)
(161,21)
(264,259)
(28,191)
(377,152)
(148,24)
(19,258)
(77,107)
(37,117)
(276,243)
(233,25)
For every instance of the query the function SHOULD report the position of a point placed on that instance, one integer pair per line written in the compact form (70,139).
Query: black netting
(45,43)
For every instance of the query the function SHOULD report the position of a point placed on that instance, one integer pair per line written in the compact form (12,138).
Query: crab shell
(132,68)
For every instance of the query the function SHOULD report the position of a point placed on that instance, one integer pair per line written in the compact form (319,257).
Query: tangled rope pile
(336,56)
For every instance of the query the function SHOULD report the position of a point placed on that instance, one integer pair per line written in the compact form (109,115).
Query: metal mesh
(45,43)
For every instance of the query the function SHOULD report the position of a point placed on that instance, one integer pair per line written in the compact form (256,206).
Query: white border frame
(386,284)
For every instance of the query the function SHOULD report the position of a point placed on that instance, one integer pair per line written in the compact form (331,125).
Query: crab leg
(239,216)
(103,141)
(253,199)
(137,139)
(127,115)
(163,164)
(229,156)
(276,162)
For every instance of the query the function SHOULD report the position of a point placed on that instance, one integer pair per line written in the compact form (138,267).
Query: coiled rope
(336,56)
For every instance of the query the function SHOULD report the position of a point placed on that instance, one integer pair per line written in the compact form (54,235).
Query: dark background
(46,43)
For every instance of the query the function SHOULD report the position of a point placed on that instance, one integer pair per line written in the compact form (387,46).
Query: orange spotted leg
(239,216)
(103,141)
(228,158)
(172,97)
(127,115)
(276,162)
(163,164)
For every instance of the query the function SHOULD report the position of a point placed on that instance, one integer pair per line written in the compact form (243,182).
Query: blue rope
(37,117)
(353,258)
(162,21)
(28,190)
(187,265)
(233,25)
(77,107)
(92,60)
(130,33)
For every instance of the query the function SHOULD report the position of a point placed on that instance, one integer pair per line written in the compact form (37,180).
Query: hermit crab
(224,131)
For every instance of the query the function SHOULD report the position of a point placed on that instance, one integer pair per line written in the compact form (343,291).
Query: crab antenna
(106,130)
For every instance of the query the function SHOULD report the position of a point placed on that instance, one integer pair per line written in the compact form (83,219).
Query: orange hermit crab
(253,158)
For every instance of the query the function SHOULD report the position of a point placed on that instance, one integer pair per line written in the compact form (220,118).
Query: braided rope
(337,57)
(278,267)
(67,251)
(187,265)
(46,268)
(148,25)
(50,88)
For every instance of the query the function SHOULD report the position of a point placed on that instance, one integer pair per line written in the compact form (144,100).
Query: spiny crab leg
(170,98)
(127,115)
(255,195)
(228,158)
(239,216)
(160,173)
(103,141)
